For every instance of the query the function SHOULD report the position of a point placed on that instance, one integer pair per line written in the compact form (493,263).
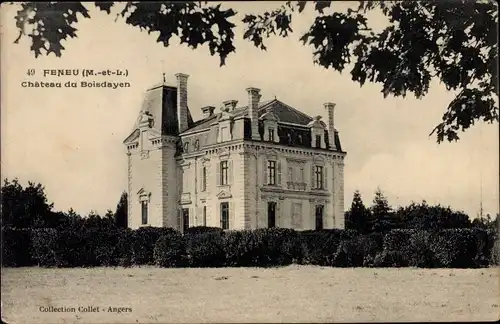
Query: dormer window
(270,132)
(318,141)
(186,147)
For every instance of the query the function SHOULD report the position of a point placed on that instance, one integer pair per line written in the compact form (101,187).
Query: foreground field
(290,294)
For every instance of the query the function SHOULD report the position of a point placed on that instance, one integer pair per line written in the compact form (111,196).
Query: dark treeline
(28,207)
(381,217)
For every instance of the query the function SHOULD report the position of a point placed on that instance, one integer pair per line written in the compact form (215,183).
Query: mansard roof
(284,112)
(161,102)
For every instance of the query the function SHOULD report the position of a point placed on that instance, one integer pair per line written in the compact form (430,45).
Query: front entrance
(185,219)
(271,214)
(319,217)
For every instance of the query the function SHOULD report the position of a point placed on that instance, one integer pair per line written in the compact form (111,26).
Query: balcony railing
(292,185)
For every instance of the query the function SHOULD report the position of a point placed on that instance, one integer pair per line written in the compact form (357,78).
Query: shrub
(320,247)
(113,247)
(495,252)
(205,249)
(492,252)
(389,258)
(419,252)
(143,243)
(45,247)
(16,247)
(455,248)
(398,240)
(279,247)
(348,254)
(358,251)
(169,250)
(243,248)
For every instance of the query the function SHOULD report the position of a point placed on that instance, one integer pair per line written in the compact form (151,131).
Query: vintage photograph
(249,161)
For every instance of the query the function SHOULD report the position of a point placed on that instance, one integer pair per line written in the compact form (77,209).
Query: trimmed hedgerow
(320,247)
(205,249)
(455,248)
(143,243)
(169,251)
(16,247)
(209,247)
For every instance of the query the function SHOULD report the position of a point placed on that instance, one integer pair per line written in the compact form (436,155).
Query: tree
(357,216)
(382,216)
(27,207)
(426,217)
(454,42)
(121,214)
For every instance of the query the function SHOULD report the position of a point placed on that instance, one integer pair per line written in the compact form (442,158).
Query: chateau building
(259,164)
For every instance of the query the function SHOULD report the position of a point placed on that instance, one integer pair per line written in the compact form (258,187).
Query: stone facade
(265,164)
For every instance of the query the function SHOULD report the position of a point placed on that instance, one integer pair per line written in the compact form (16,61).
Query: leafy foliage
(169,250)
(382,216)
(47,24)
(205,249)
(358,215)
(121,213)
(165,247)
(453,42)
(26,207)
(423,216)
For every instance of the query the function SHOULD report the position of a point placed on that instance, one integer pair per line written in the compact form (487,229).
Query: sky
(70,140)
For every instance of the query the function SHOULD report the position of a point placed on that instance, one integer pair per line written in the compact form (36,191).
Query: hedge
(16,247)
(449,248)
(212,247)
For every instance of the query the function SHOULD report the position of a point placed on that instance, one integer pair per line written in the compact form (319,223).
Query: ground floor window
(204,216)
(144,212)
(185,219)
(319,217)
(224,215)
(271,214)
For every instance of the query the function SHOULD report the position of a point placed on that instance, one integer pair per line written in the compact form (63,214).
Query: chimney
(207,111)
(253,111)
(182,106)
(230,105)
(329,123)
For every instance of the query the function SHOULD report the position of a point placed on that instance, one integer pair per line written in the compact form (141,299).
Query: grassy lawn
(290,294)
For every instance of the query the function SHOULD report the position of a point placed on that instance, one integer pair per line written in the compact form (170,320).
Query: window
(319,217)
(204,216)
(301,175)
(271,173)
(318,141)
(224,215)
(296,215)
(223,173)
(144,212)
(271,214)
(319,177)
(290,174)
(270,132)
(204,179)
(185,219)
(186,147)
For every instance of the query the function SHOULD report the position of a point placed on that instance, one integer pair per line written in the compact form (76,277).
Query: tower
(151,150)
